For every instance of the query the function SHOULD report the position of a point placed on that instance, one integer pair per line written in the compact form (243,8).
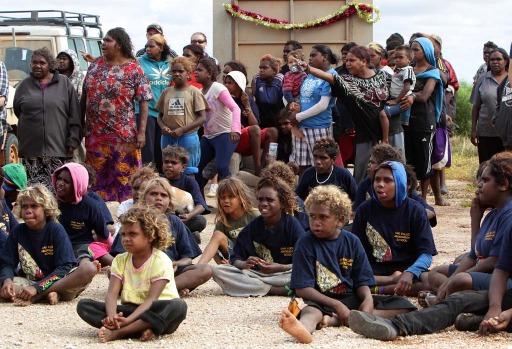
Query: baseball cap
(155,26)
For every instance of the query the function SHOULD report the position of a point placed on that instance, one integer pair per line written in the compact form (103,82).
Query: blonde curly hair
(331,196)
(43,197)
(282,171)
(152,222)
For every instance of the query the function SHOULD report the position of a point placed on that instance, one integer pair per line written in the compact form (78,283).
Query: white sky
(464,26)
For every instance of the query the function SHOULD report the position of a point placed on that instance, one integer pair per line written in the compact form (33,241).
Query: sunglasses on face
(197,41)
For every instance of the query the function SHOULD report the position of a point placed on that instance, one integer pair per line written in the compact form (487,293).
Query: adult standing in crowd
(156,64)
(113,83)
(199,38)
(48,118)
(151,30)
(502,119)
(315,116)
(194,53)
(377,55)
(484,99)
(4,95)
(484,68)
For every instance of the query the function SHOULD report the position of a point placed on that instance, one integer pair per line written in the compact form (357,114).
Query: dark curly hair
(197,50)
(283,190)
(122,38)
(211,67)
(500,167)
(237,66)
(328,145)
(48,56)
(281,170)
(385,152)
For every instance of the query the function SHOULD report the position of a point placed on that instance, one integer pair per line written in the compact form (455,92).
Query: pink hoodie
(79,176)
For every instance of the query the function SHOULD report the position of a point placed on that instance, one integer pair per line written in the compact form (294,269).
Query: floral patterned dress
(111,127)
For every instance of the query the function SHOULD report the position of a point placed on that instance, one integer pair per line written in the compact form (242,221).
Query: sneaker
(213,190)
(197,236)
(372,326)
(468,322)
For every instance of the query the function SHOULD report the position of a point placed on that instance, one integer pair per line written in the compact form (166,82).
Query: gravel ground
(218,321)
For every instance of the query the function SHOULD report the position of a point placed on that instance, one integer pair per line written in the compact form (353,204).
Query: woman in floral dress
(113,83)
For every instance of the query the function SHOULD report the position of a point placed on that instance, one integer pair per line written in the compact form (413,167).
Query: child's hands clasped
(112,322)
(251,262)
(404,284)
(495,324)
(27,293)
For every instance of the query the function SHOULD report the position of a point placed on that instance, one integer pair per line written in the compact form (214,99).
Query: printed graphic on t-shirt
(327,280)
(263,252)
(233,234)
(381,249)
(176,106)
(29,265)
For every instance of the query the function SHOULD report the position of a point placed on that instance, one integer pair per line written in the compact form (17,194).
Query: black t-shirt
(423,115)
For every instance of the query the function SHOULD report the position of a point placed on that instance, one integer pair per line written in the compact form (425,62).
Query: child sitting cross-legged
(331,272)
(262,256)
(42,248)
(143,275)
(175,160)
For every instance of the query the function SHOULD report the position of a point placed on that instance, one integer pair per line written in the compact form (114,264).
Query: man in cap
(151,30)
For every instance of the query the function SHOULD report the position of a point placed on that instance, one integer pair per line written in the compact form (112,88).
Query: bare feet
(328,321)
(426,299)
(105,335)
(292,326)
(441,202)
(98,266)
(21,302)
(184,292)
(147,335)
(53,298)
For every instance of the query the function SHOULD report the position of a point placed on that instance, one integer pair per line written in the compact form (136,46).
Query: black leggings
(164,316)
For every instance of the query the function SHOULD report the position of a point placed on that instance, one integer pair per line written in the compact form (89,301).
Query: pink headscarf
(79,176)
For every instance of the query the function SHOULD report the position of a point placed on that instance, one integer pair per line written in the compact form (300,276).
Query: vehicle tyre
(11,149)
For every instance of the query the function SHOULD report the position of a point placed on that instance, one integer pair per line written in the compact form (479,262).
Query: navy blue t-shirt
(274,245)
(7,223)
(107,216)
(393,238)
(183,246)
(496,225)
(190,185)
(45,256)
(331,266)
(81,219)
(340,177)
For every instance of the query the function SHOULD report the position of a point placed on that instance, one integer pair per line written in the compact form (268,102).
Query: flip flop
(426,299)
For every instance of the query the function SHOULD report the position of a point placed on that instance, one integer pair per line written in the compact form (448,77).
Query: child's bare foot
(147,335)
(441,202)
(426,299)
(292,326)
(98,266)
(184,292)
(53,298)
(329,321)
(105,335)
(21,302)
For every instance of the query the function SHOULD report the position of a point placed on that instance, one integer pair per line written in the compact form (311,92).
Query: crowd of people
(150,129)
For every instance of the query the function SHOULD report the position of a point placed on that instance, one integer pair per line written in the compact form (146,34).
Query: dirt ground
(218,321)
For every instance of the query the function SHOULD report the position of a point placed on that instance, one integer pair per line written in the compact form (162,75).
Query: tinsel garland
(366,12)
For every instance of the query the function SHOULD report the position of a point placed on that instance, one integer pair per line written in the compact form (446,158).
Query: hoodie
(159,77)
(77,76)
(400,177)
(80,179)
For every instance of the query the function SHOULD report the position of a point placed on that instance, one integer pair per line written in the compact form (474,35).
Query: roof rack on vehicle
(51,17)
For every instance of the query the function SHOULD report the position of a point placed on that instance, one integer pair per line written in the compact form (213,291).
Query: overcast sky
(464,26)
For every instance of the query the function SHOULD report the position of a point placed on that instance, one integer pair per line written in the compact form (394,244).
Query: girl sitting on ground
(42,248)
(475,270)
(234,212)
(331,271)
(395,234)
(262,257)
(150,305)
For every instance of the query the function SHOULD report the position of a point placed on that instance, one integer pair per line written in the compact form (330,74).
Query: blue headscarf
(428,49)
(400,176)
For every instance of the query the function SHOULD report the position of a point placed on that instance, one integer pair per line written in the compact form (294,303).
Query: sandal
(426,299)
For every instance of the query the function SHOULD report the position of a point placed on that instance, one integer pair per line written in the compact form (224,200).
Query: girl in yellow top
(144,276)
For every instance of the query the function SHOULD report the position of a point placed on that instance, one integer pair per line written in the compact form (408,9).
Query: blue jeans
(191,144)
(219,148)
(443,314)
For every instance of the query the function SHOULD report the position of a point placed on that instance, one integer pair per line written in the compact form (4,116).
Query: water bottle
(272,153)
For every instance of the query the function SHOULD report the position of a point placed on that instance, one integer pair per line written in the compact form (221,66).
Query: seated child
(42,248)
(150,305)
(157,193)
(402,84)
(474,272)
(395,234)
(234,212)
(293,79)
(107,216)
(284,136)
(331,271)
(7,219)
(15,179)
(182,111)
(325,171)
(80,215)
(381,153)
(175,160)
(262,256)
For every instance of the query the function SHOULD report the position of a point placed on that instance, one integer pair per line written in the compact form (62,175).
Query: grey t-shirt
(484,95)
